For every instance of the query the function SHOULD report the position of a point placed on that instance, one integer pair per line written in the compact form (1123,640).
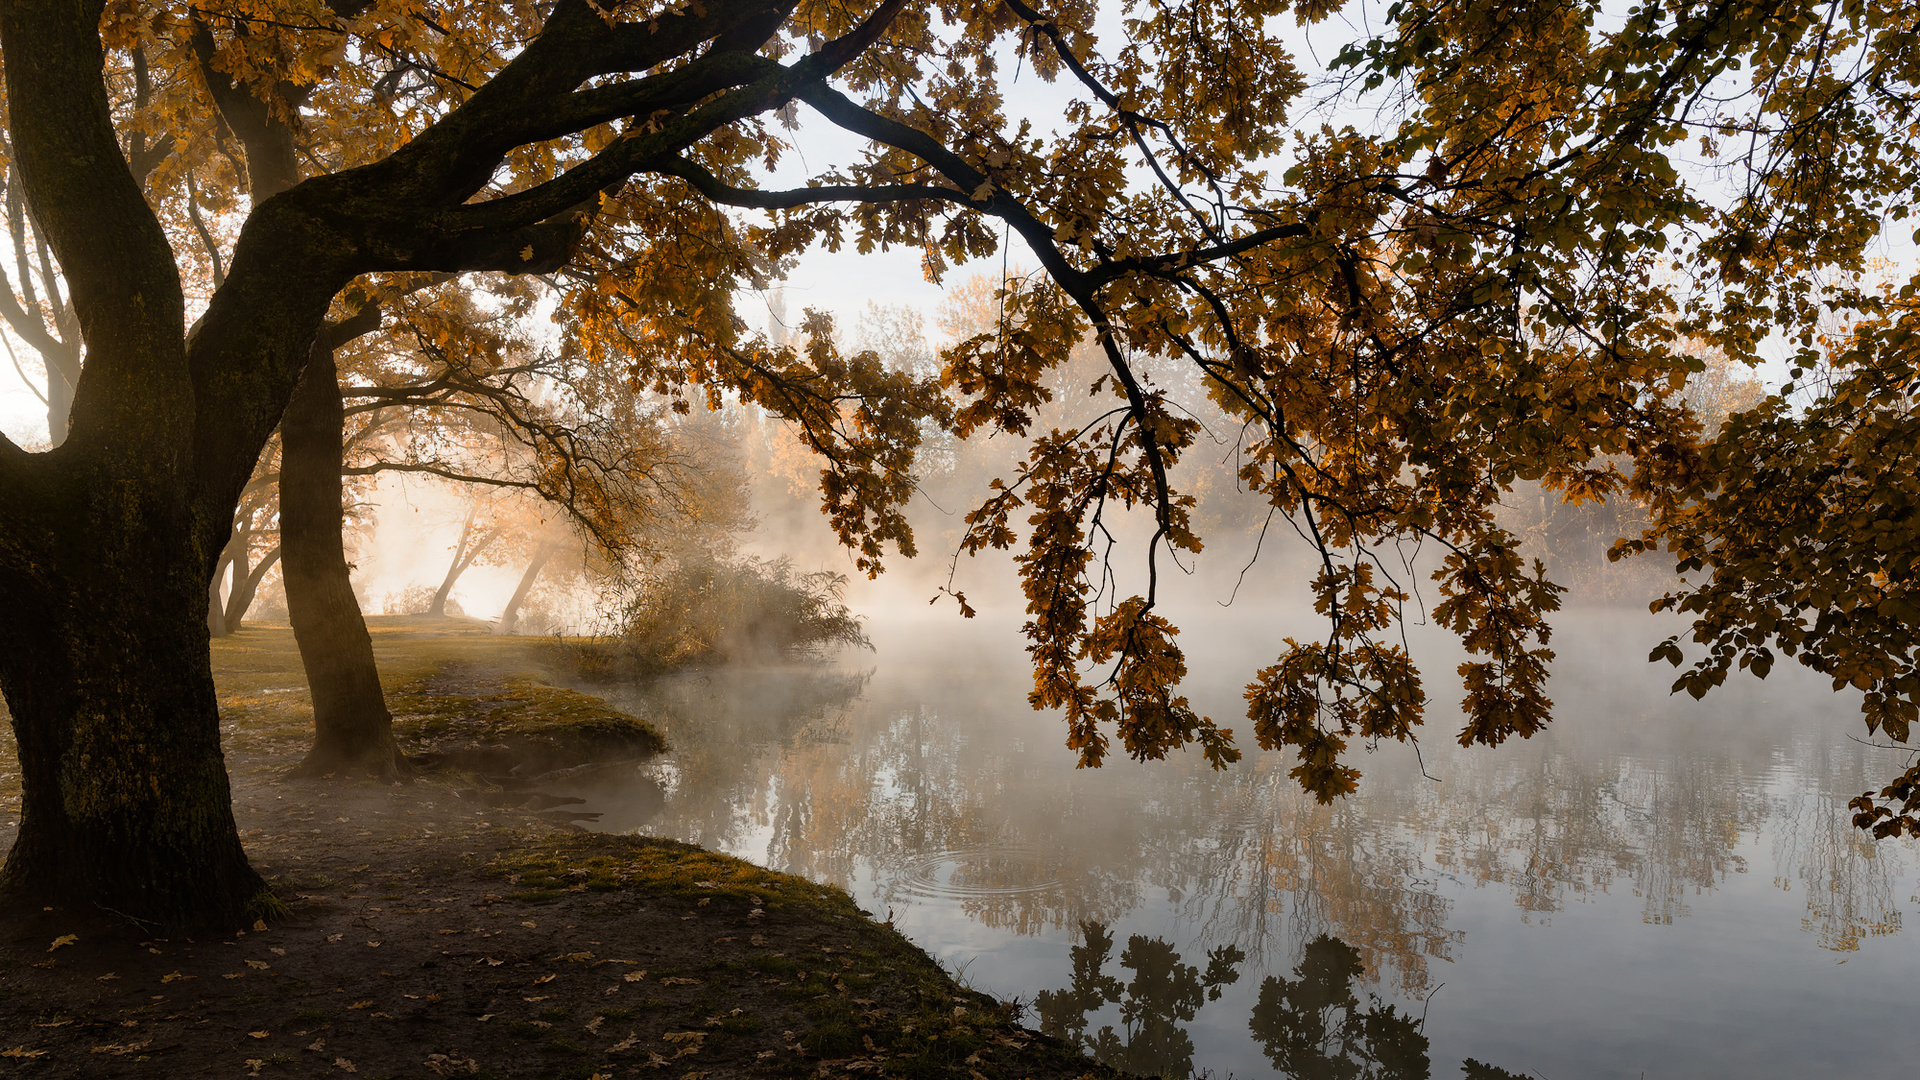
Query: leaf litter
(430,884)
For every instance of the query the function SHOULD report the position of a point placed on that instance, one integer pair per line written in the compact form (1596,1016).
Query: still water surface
(1655,887)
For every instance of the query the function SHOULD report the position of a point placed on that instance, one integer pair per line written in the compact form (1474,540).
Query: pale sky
(846,282)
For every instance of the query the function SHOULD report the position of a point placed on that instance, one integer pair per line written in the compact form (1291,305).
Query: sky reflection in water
(1654,887)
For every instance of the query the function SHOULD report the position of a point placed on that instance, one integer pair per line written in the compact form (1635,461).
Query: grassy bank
(438,933)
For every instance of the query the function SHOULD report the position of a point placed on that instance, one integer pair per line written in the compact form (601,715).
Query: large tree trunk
(103,660)
(108,542)
(511,616)
(352,729)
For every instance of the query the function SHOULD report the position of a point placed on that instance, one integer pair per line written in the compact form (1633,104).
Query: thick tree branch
(31,330)
(119,266)
(710,186)
(273,163)
(207,242)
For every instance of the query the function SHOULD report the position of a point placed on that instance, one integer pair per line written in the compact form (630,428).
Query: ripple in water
(998,871)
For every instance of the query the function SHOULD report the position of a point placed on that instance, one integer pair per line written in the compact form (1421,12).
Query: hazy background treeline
(736,561)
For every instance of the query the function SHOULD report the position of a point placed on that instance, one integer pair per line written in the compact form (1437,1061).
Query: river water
(1652,888)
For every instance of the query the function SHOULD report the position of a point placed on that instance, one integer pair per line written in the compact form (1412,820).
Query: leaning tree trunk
(216,605)
(246,586)
(352,729)
(232,565)
(510,617)
(463,556)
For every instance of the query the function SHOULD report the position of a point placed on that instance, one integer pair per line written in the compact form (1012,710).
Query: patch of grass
(519,712)
(670,868)
(525,1029)
(831,1040)
(769,964)
(447,681)
(740,1025)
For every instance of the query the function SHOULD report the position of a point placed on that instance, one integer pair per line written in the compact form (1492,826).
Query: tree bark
(352,729)
(125,805)
(108,543)
(510,617)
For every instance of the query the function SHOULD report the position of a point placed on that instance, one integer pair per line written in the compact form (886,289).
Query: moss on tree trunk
(125,804)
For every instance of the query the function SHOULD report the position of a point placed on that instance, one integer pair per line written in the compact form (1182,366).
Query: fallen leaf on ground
(449,1065)
(63,939)
(343,1063)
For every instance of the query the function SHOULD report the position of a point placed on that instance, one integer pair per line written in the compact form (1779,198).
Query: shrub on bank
(701,611)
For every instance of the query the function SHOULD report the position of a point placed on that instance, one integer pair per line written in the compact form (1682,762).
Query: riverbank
(436,930)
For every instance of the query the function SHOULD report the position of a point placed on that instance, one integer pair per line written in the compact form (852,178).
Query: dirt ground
(436,931)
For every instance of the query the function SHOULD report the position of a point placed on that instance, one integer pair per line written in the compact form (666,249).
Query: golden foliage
(1405,323)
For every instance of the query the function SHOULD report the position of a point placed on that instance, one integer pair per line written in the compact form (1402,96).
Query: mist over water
(1652,887)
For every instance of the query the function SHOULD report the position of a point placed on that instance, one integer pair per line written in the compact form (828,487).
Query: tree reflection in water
(932,790)
(1163,994)
(1313,1026)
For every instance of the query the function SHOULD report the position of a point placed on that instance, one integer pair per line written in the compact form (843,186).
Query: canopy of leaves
(1503,284)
